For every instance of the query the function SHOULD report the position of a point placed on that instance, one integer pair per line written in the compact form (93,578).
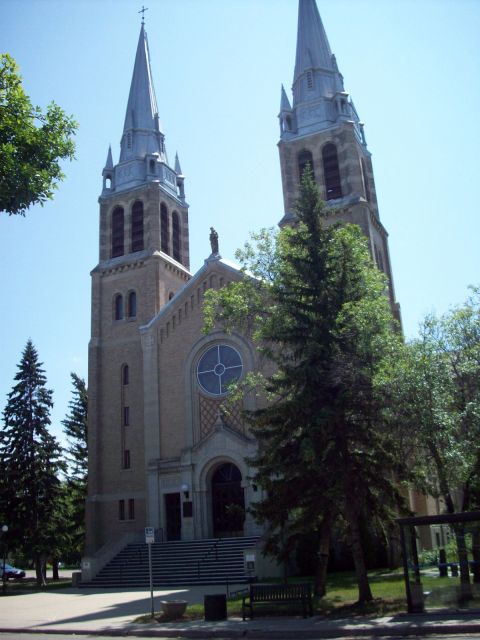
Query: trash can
(215,607)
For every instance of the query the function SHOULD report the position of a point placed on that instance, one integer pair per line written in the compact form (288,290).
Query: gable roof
(212,265)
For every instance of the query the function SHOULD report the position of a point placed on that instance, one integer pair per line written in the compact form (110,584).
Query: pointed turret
(109,162)
(178,168)
(108,171)
(284,101)
(180,178)
(286,115)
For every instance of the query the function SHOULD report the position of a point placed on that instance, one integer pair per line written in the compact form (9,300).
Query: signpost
(149,540)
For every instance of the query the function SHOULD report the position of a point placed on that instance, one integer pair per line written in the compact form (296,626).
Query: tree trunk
(476,554)
(55,575)
(40,571)
(394,548)
(364,592)
(465,586)
(323,554)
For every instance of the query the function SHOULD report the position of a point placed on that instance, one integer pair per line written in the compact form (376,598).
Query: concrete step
(212,561)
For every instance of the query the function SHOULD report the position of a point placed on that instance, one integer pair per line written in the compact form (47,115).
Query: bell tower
(143,261)
(321,127)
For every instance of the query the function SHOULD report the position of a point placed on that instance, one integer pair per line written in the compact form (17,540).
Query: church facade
(163,451)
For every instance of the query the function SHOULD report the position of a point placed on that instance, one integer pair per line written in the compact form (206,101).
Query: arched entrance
(228,503)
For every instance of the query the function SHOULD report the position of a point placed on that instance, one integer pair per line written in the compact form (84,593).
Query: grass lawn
(388,590)
(29,585)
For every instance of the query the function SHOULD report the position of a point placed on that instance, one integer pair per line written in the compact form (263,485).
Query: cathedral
(162,451)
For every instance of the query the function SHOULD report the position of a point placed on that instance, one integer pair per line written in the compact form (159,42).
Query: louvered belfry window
(331,171)
(176,236)
(137,226)
(304,158)
(117,232)
(165,230)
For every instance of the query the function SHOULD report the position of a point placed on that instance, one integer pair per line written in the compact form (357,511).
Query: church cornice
(134,261)
(107,268)
(126,196)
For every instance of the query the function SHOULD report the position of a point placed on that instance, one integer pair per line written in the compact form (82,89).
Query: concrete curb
(402,630)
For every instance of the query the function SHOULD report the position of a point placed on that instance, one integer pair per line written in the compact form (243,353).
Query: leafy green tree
(31,463)
(434,388)
(75,429)
(318,309)
(32,144)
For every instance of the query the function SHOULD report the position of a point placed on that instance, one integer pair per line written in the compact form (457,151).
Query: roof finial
(142,11)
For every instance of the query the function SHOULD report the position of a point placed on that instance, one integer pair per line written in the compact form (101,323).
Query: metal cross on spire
(142,11)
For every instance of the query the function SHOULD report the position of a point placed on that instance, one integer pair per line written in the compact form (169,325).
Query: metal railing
(212,549)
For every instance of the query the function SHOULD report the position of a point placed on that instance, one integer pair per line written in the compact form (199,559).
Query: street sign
(149,535)
(150,539)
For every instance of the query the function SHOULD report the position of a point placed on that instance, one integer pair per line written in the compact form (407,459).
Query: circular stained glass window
(218,367)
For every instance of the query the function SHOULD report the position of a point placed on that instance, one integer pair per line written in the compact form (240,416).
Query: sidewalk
(111,612)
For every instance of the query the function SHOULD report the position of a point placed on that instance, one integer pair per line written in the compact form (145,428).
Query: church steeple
(313,50)
(142,131)
(319,97)
(143,206)
(143,156)
(322,129)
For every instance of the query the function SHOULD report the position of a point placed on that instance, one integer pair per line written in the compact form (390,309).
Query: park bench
(278,594)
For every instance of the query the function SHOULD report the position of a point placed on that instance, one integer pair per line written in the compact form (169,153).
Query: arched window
(228,501)
(137,226)
(165,230)
(118,307)
(365,180)
(125,374)
(117,232)
(331,171)
(176,236)
(132,304)
(304,158)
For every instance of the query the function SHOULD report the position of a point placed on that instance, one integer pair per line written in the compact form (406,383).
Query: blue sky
(412,69)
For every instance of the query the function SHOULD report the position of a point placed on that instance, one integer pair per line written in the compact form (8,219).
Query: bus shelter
(441,561)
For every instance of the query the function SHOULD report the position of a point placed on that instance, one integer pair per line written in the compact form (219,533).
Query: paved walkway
(102,612)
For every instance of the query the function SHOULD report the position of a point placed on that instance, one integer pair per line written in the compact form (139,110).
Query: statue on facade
(214,241)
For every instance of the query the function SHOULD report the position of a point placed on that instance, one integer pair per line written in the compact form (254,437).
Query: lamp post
(4,582)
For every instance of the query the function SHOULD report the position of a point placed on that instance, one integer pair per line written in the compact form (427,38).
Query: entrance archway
(228,502)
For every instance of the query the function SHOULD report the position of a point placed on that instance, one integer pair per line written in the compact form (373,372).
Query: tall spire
(313,50)
(316,74)
(143,157)
(141,132)
(319,97)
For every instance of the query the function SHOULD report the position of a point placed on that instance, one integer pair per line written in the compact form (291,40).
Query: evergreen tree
(75,429)
(318,309)
(31,462)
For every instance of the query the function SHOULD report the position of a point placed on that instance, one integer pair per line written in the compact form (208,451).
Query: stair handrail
(213,547)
